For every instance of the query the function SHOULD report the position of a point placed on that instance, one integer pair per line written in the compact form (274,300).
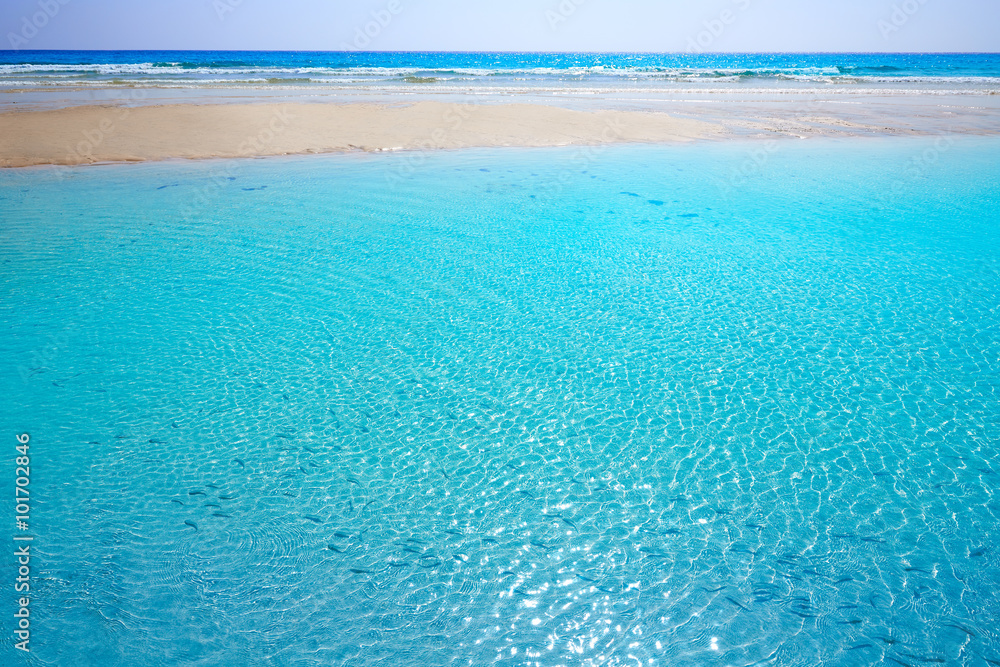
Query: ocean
(707,404)
(500,73)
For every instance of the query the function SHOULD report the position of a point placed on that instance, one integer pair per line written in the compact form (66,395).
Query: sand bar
(118,133)
(80,135)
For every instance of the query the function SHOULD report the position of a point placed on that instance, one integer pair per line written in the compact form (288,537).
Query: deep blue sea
(606,406)
(944,73)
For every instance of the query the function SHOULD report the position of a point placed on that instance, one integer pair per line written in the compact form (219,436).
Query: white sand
(88,134)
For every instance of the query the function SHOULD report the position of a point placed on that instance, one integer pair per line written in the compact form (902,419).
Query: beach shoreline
(118,132)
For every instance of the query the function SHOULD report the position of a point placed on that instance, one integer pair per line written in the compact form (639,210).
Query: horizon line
(680,53)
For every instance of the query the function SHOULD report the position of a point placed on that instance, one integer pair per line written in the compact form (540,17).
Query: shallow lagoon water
(714,404)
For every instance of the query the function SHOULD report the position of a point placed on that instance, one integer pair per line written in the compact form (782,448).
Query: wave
(230,73)
(234,68)
(879,69)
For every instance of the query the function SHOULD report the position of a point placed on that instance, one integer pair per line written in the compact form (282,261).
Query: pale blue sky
(511,25)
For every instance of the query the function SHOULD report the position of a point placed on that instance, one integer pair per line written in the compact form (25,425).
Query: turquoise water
(951,73)
(716,404)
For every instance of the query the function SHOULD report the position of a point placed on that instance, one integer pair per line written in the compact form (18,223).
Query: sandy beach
(118,133)
(91,134)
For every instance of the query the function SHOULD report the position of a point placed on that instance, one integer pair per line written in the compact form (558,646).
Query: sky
(504,25)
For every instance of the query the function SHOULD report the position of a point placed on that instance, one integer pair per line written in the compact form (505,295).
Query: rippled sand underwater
(715,404)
